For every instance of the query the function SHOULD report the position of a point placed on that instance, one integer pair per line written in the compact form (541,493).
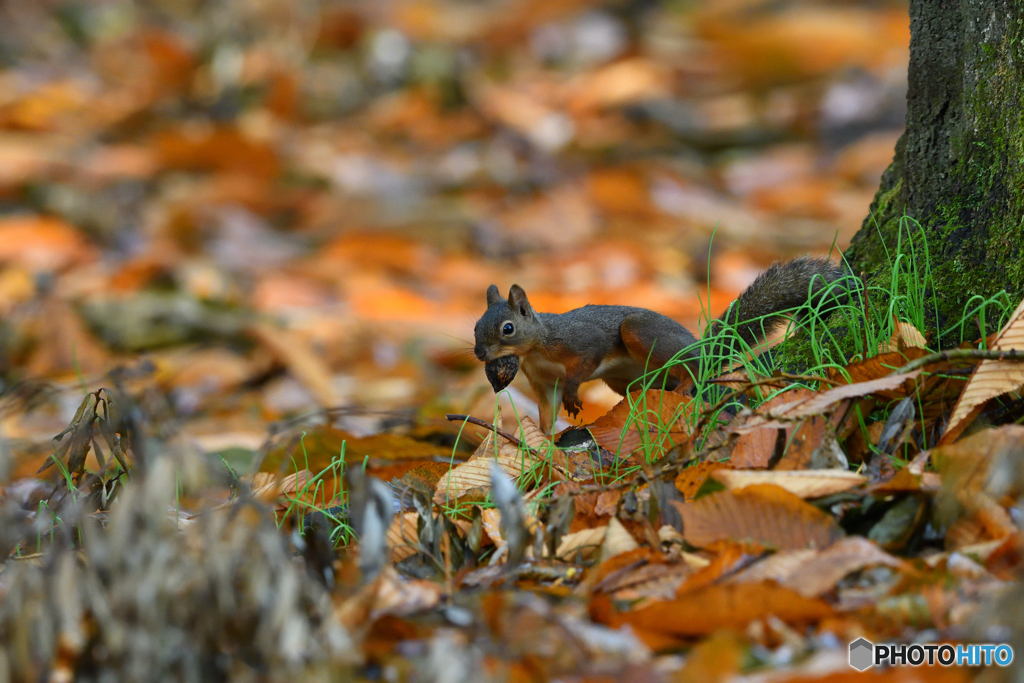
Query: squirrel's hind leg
(653,340)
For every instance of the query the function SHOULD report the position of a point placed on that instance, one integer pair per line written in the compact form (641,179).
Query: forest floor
(242,248)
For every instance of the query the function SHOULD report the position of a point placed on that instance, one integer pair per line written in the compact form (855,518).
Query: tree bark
(959,167)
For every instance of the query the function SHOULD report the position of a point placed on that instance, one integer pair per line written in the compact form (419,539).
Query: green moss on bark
(958,168)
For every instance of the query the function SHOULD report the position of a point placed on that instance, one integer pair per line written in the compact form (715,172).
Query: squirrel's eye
(508,328)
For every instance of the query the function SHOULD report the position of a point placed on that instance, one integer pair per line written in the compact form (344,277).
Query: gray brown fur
(782,287)
(619,344)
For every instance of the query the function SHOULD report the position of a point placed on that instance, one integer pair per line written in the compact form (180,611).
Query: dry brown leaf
(475,473)
(42,243)
(587,542)
(804,439)
(664,412)
(726,606)
(607,503)
(728,558)
(904,336)
(802,483)
(881,366)
(716,659)
(755,448)
(823,401)
(265,486)
(650,581)
(820,402)
(216,148)
(403,535)
(606,572)
(762,513)
(965,465)
(689,480)
(296,485)
(624,82)
(775,567)
(491,522)
(617,540)
(740,379)
(814,573)
(991,378)
(398,595)
(545,127)
(302,362)
(974,477)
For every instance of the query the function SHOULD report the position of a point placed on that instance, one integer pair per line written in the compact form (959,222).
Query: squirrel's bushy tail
(783,287)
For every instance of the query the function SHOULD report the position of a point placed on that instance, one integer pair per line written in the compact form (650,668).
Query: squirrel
(619,344)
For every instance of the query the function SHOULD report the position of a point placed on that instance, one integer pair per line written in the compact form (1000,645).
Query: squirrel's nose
(480,351)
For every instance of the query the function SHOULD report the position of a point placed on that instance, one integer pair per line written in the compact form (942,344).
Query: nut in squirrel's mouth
(501,371)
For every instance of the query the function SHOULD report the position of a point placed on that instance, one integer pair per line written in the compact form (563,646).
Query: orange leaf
(220,148)
(802,483)
(42,243)
(730,606)
(663,412)
(762,513)
(754,449)
(692,478)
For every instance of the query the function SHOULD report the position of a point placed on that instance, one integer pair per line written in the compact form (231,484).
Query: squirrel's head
(508,326)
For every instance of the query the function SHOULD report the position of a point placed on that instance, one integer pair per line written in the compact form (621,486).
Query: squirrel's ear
(517,301)
(493,295)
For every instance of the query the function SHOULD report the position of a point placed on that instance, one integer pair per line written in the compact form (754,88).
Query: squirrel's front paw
(573,405)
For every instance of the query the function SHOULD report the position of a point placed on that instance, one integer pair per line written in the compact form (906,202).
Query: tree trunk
(959,167)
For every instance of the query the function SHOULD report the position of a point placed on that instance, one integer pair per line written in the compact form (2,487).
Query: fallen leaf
(42,243)
(216,148)
(585,542)
(822,402)
(991,378)
(403,536)
(762,513)
(904,335)
(475,473)
(625,82)
(398,595)
(304,364)
(617,541)
(801,483)
(755,448)
(726,606)
(663,413)
(689,480)
(813,573)
(265,486)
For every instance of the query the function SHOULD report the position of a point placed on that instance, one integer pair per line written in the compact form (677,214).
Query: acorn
(501,371)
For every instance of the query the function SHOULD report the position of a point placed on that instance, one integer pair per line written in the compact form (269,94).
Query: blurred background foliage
(285,205)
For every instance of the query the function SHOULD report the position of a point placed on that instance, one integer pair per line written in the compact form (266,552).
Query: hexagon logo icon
(862,654)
